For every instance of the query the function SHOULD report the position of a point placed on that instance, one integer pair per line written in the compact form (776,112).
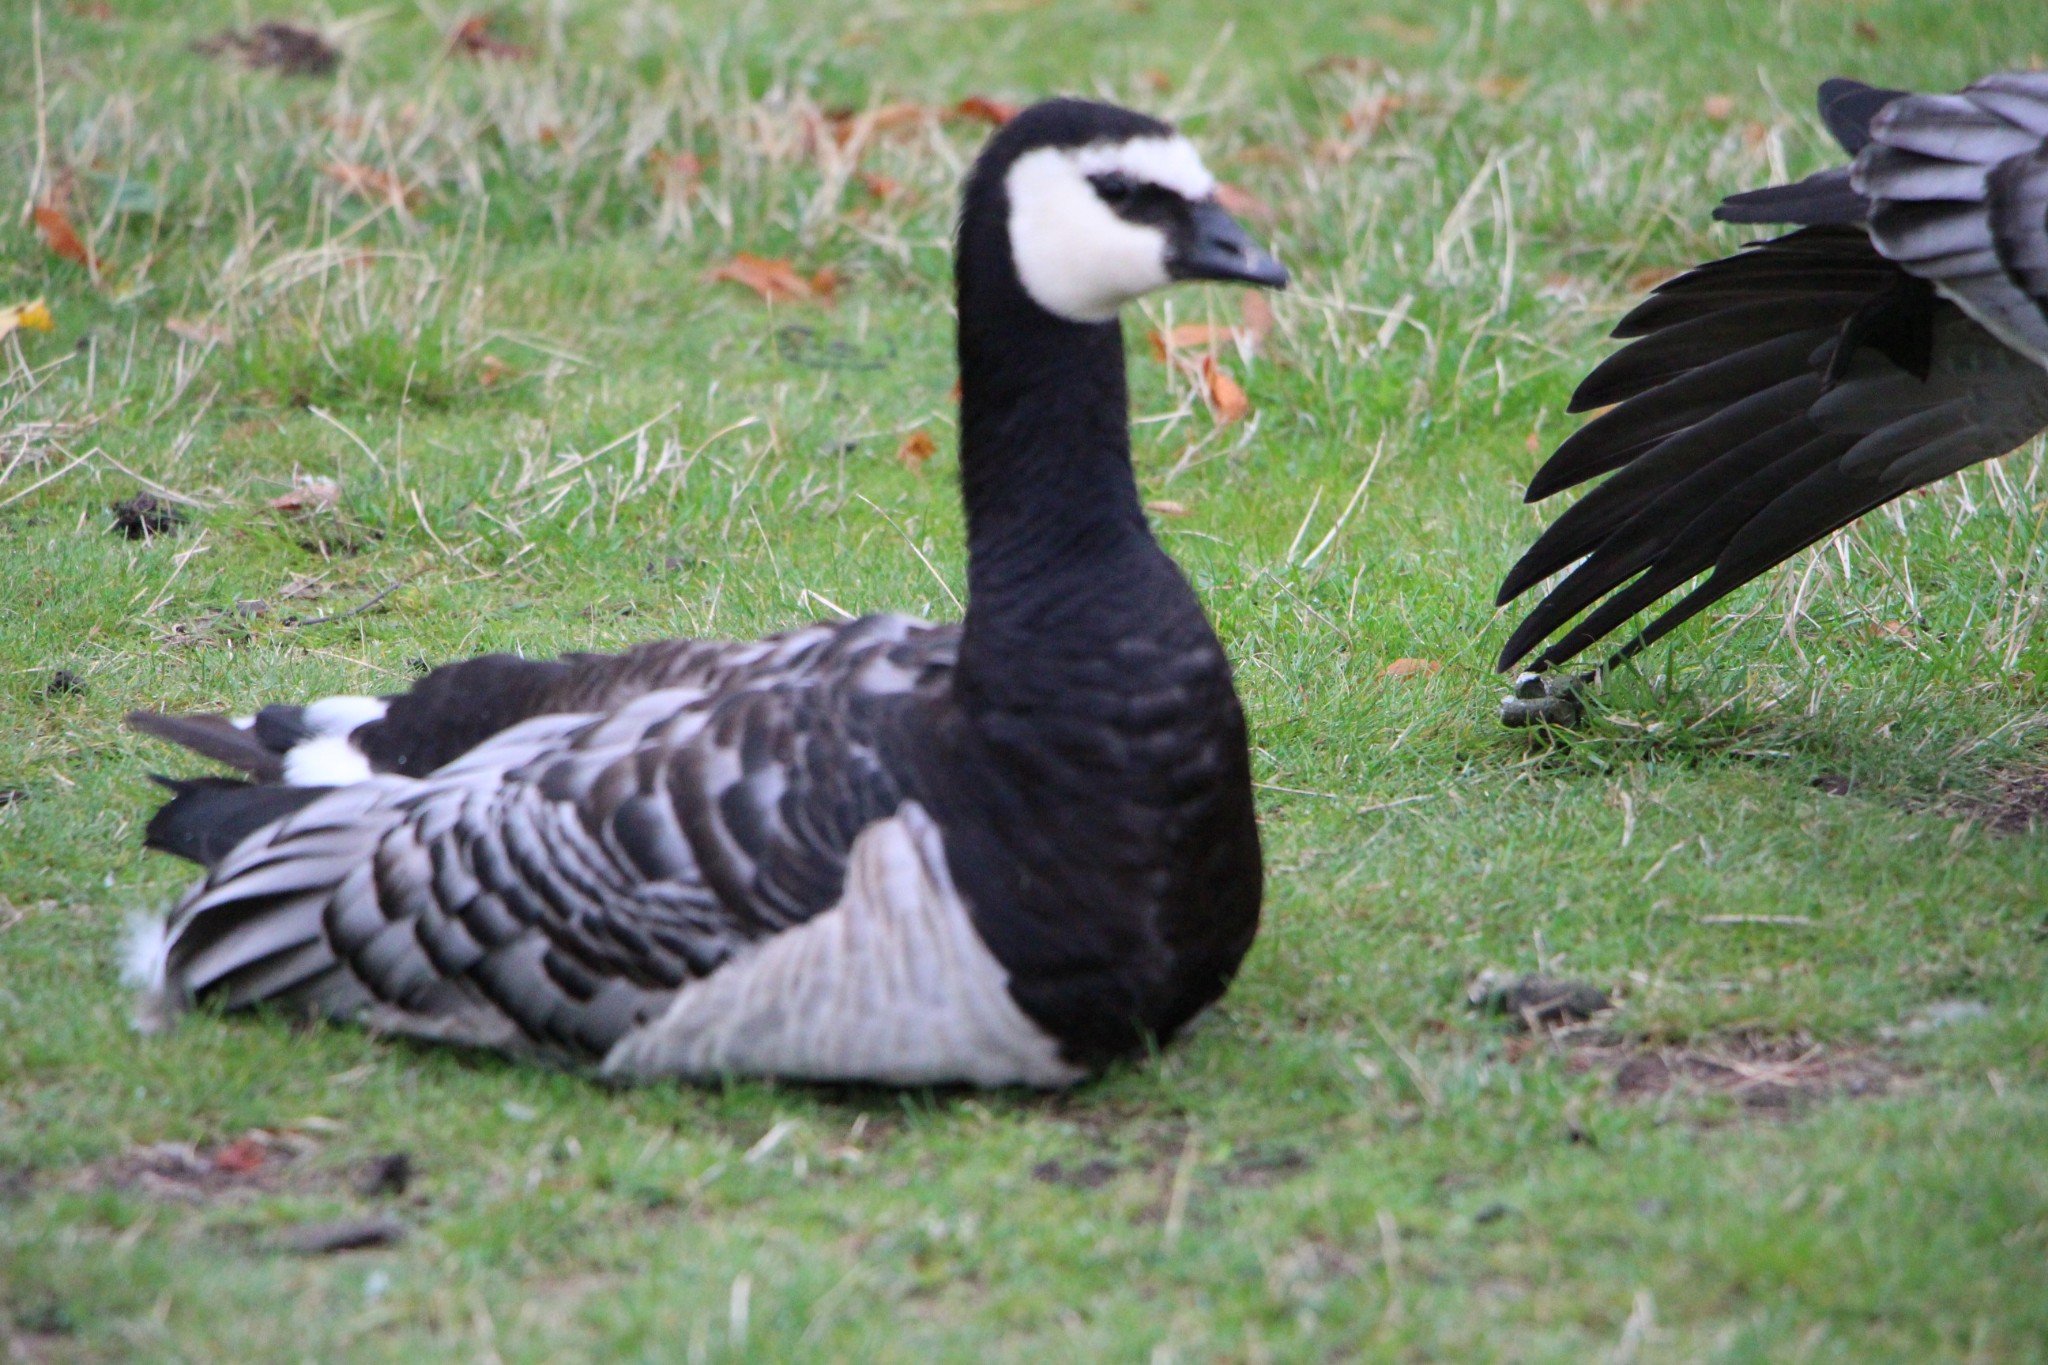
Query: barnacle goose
(999,852)
(1774,396)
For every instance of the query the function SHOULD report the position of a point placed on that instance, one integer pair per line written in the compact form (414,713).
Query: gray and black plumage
(1004,851)
(1772,397)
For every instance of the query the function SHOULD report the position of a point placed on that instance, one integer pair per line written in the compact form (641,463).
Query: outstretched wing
(552,888)
(1772,397)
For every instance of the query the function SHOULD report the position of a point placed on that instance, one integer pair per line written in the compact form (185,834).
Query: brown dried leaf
(1866,32)
(308,495)
(676,173)
(776,281)
(490,370)
(1501,87)
(824,284)
(917,448)
(1371,114)
(99,11)
(1412,668)
(240,1156)
(473,38)
(1227,400)
(1256,312)
(367,182)
(1719,108)
(1190,335)
(1242,203)
(1399,30)
(985,110)
(198,331)
(61,237)
(1157,81)
(880,186)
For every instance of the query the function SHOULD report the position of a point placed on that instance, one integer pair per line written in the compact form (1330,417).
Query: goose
(1767,399)
(1002,852)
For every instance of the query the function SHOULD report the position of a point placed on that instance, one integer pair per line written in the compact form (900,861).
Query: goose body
(1770,398)
(1005,851)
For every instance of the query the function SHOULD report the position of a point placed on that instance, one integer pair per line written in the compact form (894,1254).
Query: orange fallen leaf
(824,283)
(367,182)
(239,1157)
(61,237)
(880,186)
(1719,108)
(490,370)
(1371,114)
(1533,442)
(1256,311)
(1241,202)
(1189,336)
(1412,668)
(473,38)
(1157,81)
(776,281)
(997,112)
(953,394)
(308,495)
(1649,277)
(1227,398)
(198,331)
(676,173)
(1755,134)
(33,316)
(917,447)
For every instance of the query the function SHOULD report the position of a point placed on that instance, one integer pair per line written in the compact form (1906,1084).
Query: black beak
(1216,247)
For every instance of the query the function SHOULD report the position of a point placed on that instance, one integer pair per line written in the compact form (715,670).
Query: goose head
(1087,206)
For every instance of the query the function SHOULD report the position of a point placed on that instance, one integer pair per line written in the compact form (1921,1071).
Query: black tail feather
(207,816)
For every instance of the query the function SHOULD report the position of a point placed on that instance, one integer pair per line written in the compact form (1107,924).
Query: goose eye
(1114,188)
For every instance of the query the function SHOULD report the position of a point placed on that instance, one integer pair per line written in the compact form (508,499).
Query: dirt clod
(1535,999)
(272,46)
(146,516)
(347,1234)
(389,1174)
(1089,1175)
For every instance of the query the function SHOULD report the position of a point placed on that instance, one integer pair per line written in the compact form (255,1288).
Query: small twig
(354,611)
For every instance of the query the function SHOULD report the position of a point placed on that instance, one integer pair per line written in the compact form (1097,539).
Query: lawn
(426,357)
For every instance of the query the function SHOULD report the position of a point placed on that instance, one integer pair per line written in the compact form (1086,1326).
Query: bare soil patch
(2015,801)
(1768,1077)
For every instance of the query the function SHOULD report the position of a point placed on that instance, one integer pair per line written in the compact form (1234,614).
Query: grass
(551,433)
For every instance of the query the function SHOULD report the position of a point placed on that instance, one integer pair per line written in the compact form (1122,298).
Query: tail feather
(207,816)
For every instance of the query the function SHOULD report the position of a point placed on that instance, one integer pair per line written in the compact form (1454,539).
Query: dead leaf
(1412,668)
(1501,87)
(880,186)
(1242,203)
(473,38)
(1399,30)
(490,370)
(1227,400)
(61,237)
(1865,31)
(985,110)
(1157,81)
(676,173)
(1649,277)
(99,11)
(1166,507)
(1256,312)
(240,1156)
(824,283)
(776,281)
(1892,630)
(33,316)
(367,182)
(1755,134)
(917,448)
(1189,336)
(1370,114)
(308,495)
(198,331)
(1719,108)
(1533,442)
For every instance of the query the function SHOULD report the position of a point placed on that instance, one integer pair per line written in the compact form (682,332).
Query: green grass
(1342,1163)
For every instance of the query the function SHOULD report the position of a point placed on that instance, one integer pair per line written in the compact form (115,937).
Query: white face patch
(1076,258)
